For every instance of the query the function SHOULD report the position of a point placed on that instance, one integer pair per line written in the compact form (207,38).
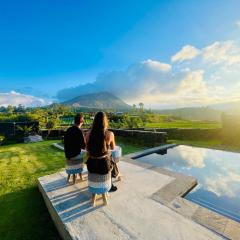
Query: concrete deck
(135,211)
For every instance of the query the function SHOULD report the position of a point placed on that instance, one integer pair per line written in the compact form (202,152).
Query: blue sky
(50,46)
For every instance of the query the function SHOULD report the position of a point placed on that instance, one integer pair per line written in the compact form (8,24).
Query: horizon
(170,54)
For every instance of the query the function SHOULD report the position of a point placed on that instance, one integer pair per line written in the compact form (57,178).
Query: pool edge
(172,196)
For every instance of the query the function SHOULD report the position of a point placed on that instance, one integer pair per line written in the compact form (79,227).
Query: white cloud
(193,84)
(209,72)
(14,98)
(138,80)
(218,52)
(223,185)
(192,157)
(188,52)
(222,52)
(158,66)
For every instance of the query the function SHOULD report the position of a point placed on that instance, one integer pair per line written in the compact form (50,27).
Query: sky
(166,54)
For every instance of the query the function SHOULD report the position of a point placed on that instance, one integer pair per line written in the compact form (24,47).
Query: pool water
(217,172)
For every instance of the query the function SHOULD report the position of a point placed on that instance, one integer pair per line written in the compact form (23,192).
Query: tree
(133,122)
(20,109)
(141,106)
(51,124)
(134,108)
(3,109)
(10,109)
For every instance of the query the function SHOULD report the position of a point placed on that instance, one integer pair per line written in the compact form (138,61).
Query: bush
(25,130)
(134,122)
(50,124)
(2,139)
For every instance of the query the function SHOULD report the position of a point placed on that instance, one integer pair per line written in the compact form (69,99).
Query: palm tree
(141,106)
(134,108)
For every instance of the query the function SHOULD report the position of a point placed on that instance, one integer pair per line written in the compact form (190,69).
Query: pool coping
(172,196)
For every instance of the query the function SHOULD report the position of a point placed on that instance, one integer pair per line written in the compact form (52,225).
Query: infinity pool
(217,172)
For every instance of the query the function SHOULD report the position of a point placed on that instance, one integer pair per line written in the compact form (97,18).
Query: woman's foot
(113,188)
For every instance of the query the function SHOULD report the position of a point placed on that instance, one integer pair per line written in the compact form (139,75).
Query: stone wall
(145,137)
(190,133)
(55,133)
(157,136)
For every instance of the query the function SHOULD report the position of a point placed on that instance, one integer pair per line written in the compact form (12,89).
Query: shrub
(2,138)
(26,130)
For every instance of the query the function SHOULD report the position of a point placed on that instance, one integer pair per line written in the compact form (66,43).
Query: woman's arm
(112,140)
(87,137)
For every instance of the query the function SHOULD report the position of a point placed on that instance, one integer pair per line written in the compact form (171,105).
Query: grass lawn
(183,124)
(213,144)
(23,214)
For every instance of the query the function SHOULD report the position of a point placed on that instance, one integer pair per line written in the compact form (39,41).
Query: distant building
(76,105)
(119,113)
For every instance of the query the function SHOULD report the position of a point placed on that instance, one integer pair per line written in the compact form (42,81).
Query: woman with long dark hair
(99,141)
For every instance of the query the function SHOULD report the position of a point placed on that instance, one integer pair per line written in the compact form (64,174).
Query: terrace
(152,198)
(23,213)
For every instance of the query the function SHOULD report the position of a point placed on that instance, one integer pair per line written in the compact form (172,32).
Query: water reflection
(217,172)
(193,157)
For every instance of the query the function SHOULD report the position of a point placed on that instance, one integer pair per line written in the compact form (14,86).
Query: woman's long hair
(96,144)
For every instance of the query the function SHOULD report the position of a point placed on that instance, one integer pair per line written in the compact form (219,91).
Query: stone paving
(132,212)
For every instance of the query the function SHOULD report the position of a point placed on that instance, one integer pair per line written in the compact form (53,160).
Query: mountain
(232,107)
(100,100)
(209,113)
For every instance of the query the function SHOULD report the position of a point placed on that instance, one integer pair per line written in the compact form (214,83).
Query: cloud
(14,98)
(188,52)
(238,23)
(223,184)
(33,92)
(146,75)
(222,52)
(195,77)
(157,66)
(218,52)
(193,84)
(192,157)
(151,82)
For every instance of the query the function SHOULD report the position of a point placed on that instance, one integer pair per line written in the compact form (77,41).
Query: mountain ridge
(101,100)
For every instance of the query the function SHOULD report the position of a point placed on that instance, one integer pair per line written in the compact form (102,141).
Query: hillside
(196,113)
(100,100)
(206,113)
(228,107)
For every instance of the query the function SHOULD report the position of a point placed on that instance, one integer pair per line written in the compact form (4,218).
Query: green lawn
(129,145)
(183,124)
(23,214)
(213,144)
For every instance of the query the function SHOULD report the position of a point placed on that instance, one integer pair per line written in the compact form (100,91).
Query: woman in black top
(99,140)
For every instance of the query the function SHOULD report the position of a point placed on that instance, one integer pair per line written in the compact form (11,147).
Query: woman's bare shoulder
(109,133)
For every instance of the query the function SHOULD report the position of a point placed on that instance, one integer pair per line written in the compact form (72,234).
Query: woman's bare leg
(94,195)
(104,196)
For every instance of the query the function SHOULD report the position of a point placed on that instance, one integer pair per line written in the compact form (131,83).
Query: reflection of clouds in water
(216,171)
(196,188)
(223,178)
(192,157)
(223,184)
